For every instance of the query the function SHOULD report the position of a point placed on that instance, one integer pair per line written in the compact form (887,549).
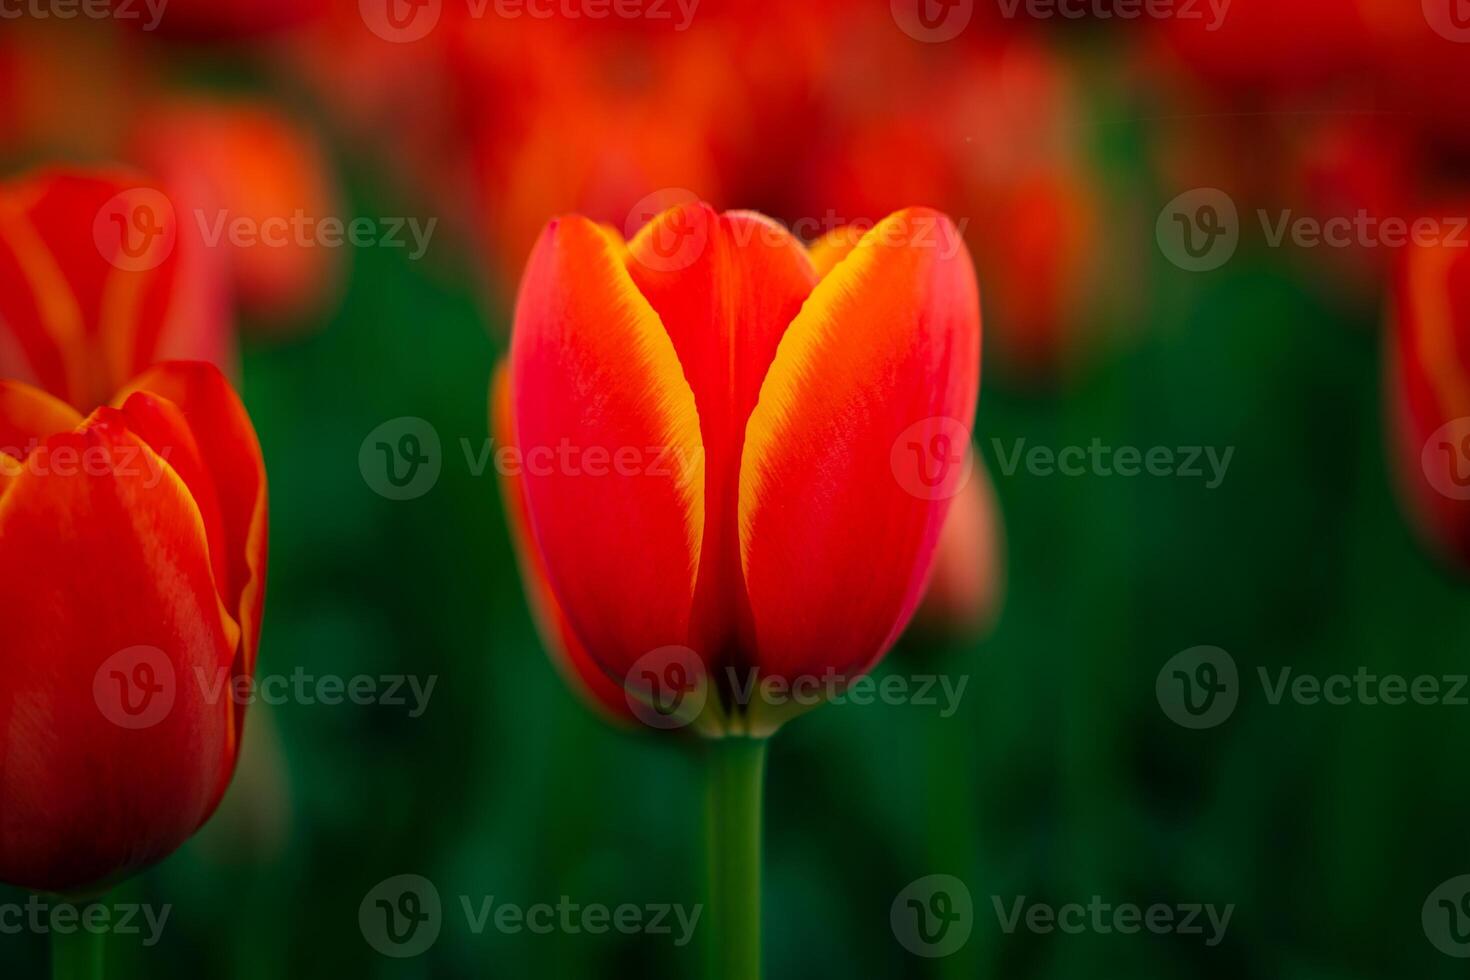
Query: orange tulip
(97,283)
(1428,392)
(131,592)
(736,460)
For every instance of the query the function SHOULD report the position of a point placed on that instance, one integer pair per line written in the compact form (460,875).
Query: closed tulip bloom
(738,455)
(134,544)
(1428,392)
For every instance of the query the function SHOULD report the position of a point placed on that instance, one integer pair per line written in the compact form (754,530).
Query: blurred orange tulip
(968,585)
(1428,393)
(732,461)
(97,283)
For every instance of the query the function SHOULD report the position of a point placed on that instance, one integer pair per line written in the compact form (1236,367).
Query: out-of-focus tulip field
(497,488)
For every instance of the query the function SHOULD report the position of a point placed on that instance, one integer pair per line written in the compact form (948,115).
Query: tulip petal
(890,339)
(28,415)
(725,287)
(609,433)
(229,451)
(103,560)
(577,667)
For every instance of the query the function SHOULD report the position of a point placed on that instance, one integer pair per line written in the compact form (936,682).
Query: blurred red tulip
(248,163)
(731,463)
(131,591)
(97,283)
(1428,393)
(968,584)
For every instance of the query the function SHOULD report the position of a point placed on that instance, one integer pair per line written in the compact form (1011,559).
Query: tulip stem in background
(77,954)
(735,770)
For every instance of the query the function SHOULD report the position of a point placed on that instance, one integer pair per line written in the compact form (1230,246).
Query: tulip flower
(1428,394)
(97,283)
(736,460)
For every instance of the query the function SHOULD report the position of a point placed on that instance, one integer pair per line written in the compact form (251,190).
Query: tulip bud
(736,461)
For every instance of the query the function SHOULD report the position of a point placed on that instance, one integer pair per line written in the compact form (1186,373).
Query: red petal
(836,541)
(608,428)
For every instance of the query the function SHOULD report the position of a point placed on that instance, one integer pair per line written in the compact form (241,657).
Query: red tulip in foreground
(1428,392)
(131,588)
(734,458)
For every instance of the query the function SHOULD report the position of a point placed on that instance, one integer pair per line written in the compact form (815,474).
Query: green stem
(735,770)
(76,954)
